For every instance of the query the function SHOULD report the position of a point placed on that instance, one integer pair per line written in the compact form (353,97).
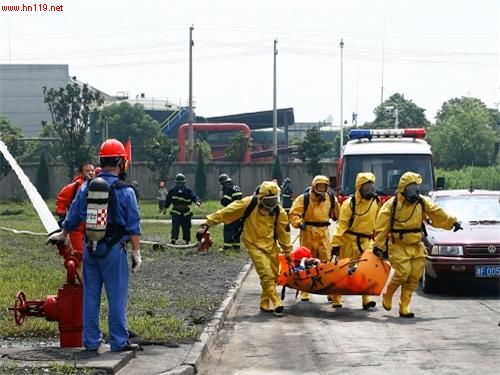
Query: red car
(472,253)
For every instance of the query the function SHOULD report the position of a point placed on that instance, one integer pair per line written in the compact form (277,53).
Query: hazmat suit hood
(407,179)
(361,179)
(320,180)
(268,191)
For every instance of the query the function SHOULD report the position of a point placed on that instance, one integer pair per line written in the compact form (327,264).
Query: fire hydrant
(65,308)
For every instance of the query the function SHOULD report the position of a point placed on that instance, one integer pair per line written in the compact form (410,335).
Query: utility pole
(383,60)
(341,96)
(190,128)
(275,110)
(396,120)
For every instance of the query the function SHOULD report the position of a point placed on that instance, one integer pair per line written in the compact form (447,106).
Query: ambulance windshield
(388,169)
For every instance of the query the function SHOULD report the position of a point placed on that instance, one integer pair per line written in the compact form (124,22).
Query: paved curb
(106,361)
(200,348)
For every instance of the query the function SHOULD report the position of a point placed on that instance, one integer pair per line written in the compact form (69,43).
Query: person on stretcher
(302,260)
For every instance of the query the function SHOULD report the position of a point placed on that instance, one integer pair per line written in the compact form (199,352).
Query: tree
(311,148)
(277,173)
(10,135)
(161,154)
(123,121)
(238,147)
(409,114)
(42,178)
(237,150)
(50,146)
(200,181)
(70,108)
(206,151)
(464,134)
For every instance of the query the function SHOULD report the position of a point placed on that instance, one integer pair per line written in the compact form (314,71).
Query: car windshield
(472,208)
(387,169)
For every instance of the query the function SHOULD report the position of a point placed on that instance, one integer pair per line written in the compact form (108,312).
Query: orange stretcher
(364,276)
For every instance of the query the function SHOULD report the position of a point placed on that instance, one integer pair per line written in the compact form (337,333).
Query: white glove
(57,237)
(136,260)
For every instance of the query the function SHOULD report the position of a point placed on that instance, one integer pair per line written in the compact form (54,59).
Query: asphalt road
(456,332)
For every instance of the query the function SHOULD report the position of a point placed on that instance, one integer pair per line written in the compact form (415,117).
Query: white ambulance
(387,153)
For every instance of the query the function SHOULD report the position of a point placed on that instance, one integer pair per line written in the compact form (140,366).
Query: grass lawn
(170,300)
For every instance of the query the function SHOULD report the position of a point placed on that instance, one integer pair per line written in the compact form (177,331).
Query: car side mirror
(440,183)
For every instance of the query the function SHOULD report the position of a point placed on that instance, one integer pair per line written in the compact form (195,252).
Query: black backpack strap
(307,197)
(114,232)
(249,209)
(353,211)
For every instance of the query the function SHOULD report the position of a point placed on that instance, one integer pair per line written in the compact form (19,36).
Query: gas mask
(412,192)
(367,190)
(270,202)
(320,190)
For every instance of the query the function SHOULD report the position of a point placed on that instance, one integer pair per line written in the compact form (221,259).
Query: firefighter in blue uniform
(230,193)
(105,263)
(181,197)
(287,194)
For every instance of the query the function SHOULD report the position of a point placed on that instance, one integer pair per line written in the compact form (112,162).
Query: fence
(247,176)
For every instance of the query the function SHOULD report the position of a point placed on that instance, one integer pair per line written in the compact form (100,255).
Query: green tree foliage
(464,134)
(477,177)
(310,150)
(71,108)
(206,151)
(200,181)
(10,135)
(50,146)
(277,173)
(123,121)
(409,114)
(161,154)
(42,177)
(238,147)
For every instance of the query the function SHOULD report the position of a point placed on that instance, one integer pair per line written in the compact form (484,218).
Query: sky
(428,50)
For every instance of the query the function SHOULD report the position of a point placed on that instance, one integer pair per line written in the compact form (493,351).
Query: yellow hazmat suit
(262,231)
(314,223)
(399,222)
(354,230)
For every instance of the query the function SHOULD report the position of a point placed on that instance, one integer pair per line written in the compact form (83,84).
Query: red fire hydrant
(65,308)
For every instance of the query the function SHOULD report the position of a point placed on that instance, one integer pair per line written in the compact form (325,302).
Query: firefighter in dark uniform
(287,194)
(228,194)
(181,197)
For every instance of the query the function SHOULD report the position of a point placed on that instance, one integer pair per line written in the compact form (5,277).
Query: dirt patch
(187,285)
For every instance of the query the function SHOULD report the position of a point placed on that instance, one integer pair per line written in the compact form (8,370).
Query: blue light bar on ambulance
(386,133)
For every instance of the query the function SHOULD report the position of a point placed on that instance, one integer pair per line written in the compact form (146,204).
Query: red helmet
(299,253)
(111,148)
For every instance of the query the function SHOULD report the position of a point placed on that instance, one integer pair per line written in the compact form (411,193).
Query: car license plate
(487,271)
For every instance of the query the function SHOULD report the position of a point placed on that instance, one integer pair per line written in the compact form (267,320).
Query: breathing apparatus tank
(97,210)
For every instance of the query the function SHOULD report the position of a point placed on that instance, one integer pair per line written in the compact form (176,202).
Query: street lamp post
(341,96)
(190,128)
(275,110)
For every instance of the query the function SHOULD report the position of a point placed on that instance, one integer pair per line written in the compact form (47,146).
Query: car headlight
(447,250)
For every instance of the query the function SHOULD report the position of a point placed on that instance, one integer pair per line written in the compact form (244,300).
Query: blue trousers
(110,271)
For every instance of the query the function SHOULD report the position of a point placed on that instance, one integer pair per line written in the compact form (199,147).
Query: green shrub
(477,177)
